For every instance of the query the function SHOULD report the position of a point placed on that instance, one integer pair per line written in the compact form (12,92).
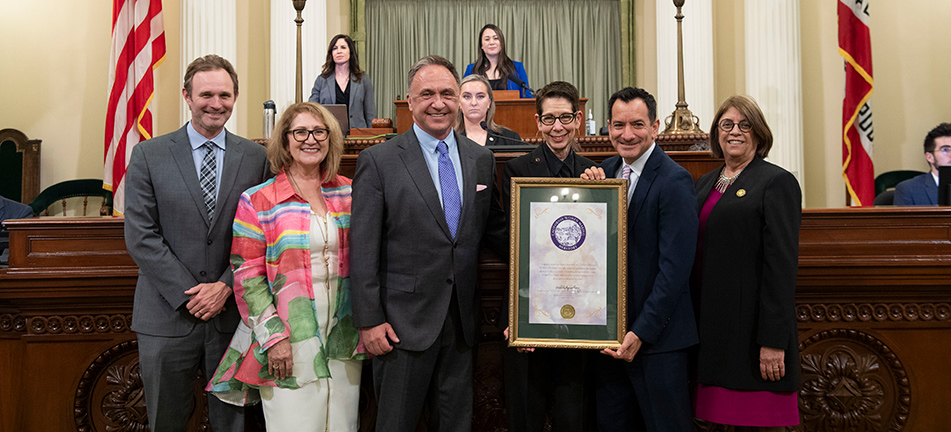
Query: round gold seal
(740,193)
(567,311)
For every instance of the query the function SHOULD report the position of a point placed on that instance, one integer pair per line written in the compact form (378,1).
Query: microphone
(485,127)
(513,77)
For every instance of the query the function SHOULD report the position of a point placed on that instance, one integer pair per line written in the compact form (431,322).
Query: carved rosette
(110,396)
(852,381)
(878,312)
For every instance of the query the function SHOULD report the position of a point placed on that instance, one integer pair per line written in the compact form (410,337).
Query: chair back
(59,194)
(19,166)
(890,179)
(885,198)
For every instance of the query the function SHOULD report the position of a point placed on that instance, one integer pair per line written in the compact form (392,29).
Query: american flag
(138,47)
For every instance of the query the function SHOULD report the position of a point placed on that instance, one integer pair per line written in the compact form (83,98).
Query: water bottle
(270,112)
(592,126)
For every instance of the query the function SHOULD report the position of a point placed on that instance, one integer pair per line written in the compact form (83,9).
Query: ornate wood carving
(851,380)
(868,312)
(65,324)
(110,396)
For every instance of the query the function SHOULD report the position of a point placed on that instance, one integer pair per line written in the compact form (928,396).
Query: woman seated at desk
(502,72)
(477,113)
(342,82)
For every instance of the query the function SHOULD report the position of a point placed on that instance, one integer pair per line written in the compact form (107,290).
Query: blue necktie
(207,178)
(450,189)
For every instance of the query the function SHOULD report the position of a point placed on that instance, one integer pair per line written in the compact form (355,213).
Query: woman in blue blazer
(493,63)
(342,82)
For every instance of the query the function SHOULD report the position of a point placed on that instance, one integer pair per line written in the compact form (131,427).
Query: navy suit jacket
(510,85)
(917,191)
(661,243)
(361,109)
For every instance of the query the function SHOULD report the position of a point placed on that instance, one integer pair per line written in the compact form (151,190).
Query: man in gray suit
(182,192)
(422,204)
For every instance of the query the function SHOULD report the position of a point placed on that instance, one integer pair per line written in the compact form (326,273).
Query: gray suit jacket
(362,108)
(404,262)
(168,233)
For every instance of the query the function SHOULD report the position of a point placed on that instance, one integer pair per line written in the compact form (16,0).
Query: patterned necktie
(207,178)
(450,189)
(626,175)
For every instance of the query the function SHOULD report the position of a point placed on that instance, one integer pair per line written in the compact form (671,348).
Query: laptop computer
(339,111)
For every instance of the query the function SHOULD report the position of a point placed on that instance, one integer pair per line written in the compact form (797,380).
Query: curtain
(578,41)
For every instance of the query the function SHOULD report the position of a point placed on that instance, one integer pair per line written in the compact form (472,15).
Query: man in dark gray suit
(182,191)
(422,204)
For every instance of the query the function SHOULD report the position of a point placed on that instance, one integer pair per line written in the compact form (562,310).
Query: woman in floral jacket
(296,348)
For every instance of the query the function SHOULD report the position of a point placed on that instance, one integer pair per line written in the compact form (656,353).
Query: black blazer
(747,286)
(506,137)
(534,164)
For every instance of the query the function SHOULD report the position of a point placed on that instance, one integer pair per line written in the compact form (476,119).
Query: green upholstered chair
(890,179)
(85,188)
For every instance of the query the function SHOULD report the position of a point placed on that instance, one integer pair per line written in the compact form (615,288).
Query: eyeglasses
(549,119)
(943,149)
(726,125)
(301,134)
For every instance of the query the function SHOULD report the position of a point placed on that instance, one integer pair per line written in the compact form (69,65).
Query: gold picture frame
(568,263)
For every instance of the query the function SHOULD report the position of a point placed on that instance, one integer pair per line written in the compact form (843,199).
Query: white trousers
(329,404)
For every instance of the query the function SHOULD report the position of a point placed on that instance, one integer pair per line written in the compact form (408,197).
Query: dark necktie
(450,188)
(207,178)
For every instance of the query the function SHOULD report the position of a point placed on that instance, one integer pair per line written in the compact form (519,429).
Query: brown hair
(207,63)
(489,115)
(505,65)
(353,63)
(749,109)
(278,150)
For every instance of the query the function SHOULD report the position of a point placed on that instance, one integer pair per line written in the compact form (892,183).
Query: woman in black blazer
(342,82)
(476,119)
(745,277)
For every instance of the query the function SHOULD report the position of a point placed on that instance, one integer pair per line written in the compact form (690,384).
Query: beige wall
(54,87)
(54,74)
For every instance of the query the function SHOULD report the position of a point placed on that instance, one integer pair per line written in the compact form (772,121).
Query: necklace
(724,182)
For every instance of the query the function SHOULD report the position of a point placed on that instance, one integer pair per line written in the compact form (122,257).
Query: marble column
(774,76)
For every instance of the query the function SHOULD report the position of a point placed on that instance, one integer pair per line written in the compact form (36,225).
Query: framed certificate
(568,263)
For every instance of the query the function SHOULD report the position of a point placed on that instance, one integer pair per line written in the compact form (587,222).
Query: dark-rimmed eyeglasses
(549,119)
(726,125)
(301,134)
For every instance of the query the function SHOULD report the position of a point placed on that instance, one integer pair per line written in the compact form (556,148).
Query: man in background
(922,190)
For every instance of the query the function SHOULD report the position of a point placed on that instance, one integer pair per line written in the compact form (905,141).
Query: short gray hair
(431,60)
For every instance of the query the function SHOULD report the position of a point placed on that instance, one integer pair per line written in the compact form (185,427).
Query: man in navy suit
(643,385)
(923,190)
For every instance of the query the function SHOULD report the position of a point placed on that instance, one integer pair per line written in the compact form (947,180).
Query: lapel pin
(741,193)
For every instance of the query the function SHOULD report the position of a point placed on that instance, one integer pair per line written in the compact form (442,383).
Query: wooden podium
(515,114)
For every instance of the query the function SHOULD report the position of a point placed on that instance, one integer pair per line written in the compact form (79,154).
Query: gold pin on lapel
(741,193)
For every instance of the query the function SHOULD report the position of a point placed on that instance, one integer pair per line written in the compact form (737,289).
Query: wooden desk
(515,114)
(873,304)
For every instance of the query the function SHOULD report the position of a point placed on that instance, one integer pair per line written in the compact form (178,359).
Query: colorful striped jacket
(270,255)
